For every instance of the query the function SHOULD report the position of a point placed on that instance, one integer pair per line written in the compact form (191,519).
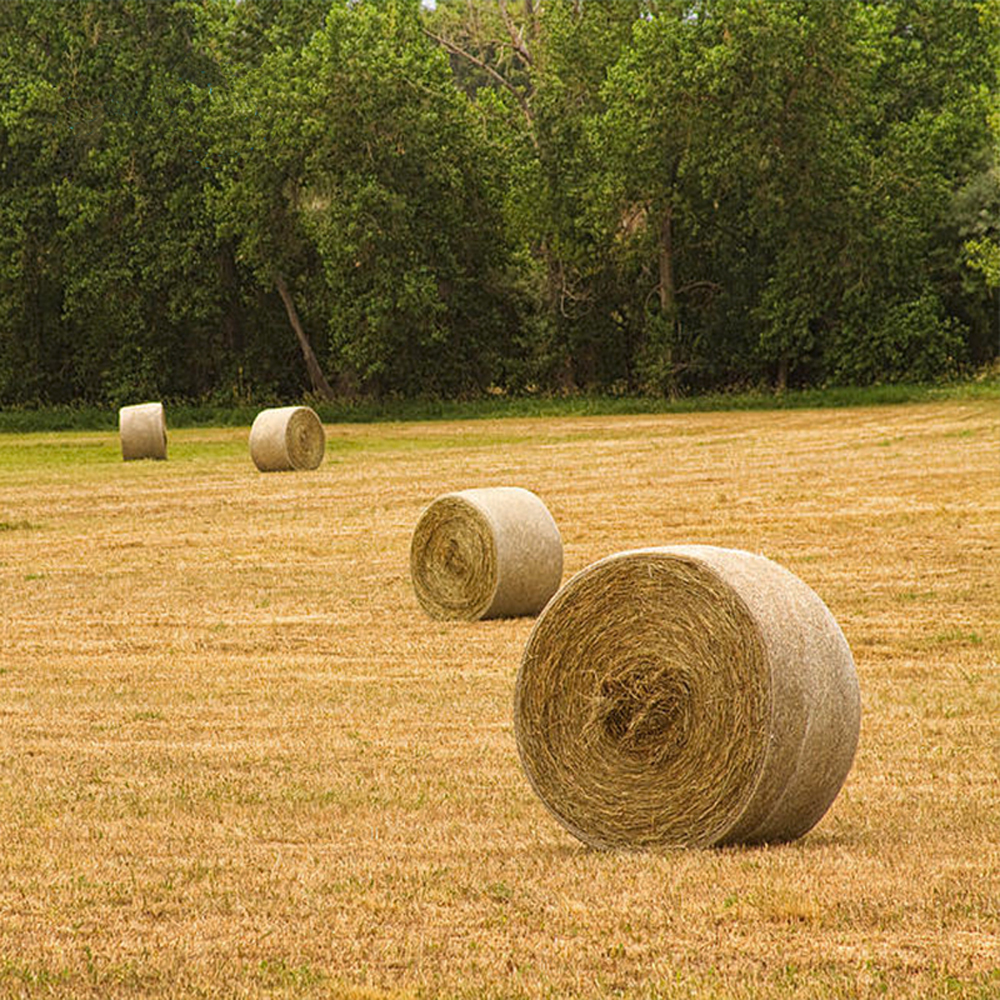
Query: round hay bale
(485,553)
(143,431)
(686,695)
(287,438)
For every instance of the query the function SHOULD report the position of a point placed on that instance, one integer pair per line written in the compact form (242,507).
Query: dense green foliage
(237,201)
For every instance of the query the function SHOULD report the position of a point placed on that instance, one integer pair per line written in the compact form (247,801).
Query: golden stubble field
(237,760)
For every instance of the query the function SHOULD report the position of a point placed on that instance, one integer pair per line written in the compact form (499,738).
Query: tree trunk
(231,326)
(320,386)
(668,302)
(782,379)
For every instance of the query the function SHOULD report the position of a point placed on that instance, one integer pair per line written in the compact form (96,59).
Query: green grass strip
(187,414)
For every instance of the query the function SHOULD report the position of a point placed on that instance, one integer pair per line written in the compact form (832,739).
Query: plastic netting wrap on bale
(686,695)
(286,439)
(143,431)
(485,553)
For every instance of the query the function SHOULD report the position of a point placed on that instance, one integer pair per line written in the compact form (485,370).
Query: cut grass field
(239,761)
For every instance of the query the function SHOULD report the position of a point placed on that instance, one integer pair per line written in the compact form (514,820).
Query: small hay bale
(485,553)
(686,695)
(286,439)
(143,431)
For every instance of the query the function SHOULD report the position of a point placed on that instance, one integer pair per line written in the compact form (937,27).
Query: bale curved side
(286,439)
(142,429)
(485,553)
(686,695)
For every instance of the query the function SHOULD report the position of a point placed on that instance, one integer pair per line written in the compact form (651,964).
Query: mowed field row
(238,759)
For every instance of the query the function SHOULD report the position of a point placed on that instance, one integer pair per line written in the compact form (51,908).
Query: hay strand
(286,439)
(142,429)
(686,695)
(485,553)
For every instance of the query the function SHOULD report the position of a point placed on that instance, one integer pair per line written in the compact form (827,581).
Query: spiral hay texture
(143,431)
(686,695)
(286,439)
(485,553)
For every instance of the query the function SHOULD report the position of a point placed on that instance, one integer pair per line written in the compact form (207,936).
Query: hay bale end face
(142,429)
(485,553)
(686,696)
(287,439)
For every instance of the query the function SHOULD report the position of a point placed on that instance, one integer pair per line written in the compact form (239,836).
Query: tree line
(241,199)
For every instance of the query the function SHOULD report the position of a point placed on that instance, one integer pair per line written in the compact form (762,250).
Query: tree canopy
(226,200)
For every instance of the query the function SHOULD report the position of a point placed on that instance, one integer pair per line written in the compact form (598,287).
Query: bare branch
(516,37)
(505,83)
(699,286)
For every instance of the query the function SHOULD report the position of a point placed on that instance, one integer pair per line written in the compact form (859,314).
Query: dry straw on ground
(687,695)
(486,553)
(286,439)
(232,767)
(143,431)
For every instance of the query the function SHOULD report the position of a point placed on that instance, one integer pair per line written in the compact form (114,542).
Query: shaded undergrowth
(189,414)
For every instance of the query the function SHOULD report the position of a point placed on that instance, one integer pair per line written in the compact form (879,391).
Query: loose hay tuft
(143,431)
(686,695)
(287,438)
(485,553)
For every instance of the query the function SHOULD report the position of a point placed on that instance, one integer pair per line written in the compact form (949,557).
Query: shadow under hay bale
(485,553)
(686,695)
(287,439)
(142,428)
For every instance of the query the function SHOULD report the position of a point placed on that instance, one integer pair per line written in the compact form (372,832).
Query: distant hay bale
(287,438)
(485,553)
(686,695)
(143,431)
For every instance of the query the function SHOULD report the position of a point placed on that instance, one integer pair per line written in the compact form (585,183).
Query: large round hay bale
(686,695)
(286,439)
(485,553)
(143,431)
